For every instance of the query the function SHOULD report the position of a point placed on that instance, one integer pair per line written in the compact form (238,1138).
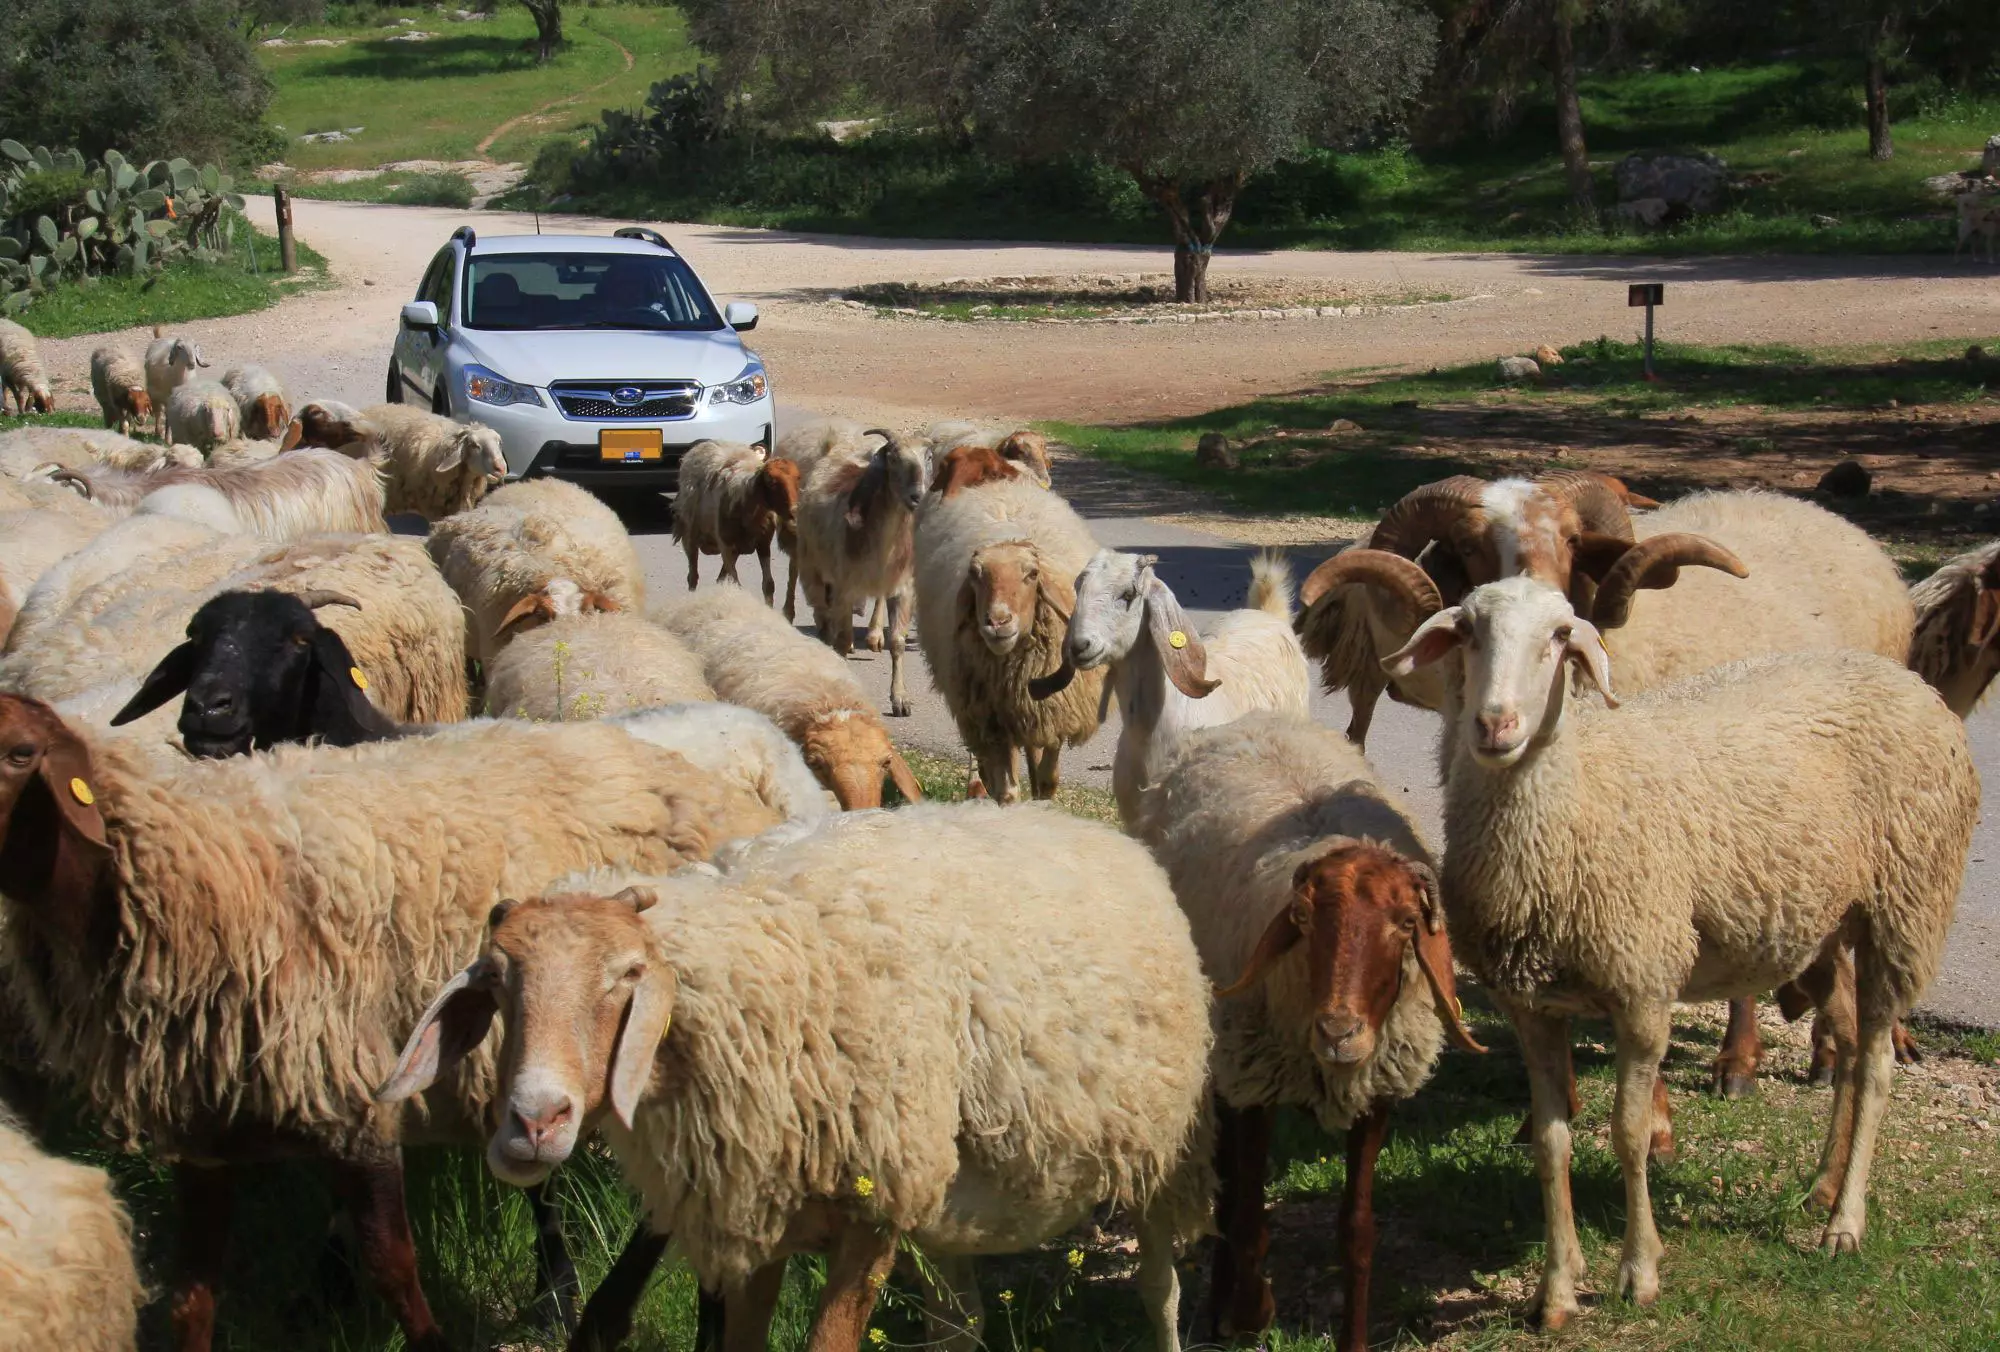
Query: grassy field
(186,290)
(440,98)
(1789,132)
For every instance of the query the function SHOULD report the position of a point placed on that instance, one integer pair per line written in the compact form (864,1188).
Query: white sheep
(1715,837)
(858,1035)
(31,543)
(145,547)
(533,551)
(1958,620)
(260,398)
(856,514)
(752,657)
(283,498)
(170,363)
(31,452)
(736,746)
(994,571)
(588,666)
(21,373)
(805,445)
(1168,679)
(242,453)
(1312,898)
(733,500)
(67,1278)
(258,873)
(434,465)
(203,414)
(118,380)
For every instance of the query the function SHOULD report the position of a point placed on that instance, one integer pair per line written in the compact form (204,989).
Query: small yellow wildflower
(1006,1297)
(864,1186)
(1076,1260)
(877,1337)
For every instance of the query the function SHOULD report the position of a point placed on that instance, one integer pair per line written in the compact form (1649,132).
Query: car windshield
(585,291)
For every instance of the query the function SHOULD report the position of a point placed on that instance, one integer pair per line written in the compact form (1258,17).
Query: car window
(429,283)
(586,291)
(437,284)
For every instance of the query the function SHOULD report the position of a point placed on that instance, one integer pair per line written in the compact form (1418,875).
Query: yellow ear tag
(81,792)
(1177,639)
(359,679)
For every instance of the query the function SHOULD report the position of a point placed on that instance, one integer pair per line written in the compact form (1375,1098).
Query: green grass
(186,290)
(438,99)
(1769,122)
(1290,461)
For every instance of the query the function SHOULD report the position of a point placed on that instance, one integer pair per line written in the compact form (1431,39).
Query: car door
(419,354)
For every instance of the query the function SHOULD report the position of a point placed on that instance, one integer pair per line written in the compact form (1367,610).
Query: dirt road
(835,360)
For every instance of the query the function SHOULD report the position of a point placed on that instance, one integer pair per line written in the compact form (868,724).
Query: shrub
(445,188)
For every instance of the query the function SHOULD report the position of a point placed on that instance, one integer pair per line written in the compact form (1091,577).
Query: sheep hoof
(900,708)
(1733,1084)
(1552,1316)
(1820,1198)
(1907,1051)
(1661,1148)
(1820,1075)
(1638,1283)
(874,641)
(1839,1241)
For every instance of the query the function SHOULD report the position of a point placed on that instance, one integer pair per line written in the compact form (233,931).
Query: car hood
(552,355)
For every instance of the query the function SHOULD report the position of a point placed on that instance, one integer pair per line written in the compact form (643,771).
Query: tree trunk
(1198,215)
(1569,119)
(548,28)
(1880,146)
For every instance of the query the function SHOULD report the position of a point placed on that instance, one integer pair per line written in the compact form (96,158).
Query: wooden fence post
(288,249)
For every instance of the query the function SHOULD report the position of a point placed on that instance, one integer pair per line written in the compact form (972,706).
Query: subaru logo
(625,396)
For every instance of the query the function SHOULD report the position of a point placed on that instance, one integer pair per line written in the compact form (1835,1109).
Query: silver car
(598,359)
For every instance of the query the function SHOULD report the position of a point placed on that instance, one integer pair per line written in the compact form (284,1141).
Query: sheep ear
(454,457)
(866,487)
(1586,649)
(534,604)
(1278,939)
(646,1020)
(342,683)
(904,778)
(1985,616)
(66,772)
(1180,651)
(596,602)
(1433,950)
(1434,638)
(456,1022)
(168,679)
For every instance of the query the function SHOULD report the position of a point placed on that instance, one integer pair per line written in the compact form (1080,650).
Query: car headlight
(747,388)
(488,387)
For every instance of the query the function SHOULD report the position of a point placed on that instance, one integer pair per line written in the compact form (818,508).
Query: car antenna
(538,220)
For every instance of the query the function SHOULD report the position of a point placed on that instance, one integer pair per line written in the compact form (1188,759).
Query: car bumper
(541,441)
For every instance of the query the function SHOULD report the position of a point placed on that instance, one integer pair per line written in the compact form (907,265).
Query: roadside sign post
(1647,294)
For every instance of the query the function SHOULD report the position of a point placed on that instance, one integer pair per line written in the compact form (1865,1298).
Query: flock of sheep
(266,882)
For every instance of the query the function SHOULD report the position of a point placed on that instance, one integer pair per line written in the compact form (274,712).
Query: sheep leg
(791,585)
(1357,1222)
(1545,1047)
(1525,1133)
(746,1323)
(607,1315)
(727,573)
(374,1196)
(1239,1294)
(693,551)
(875,625)
(764,562)
(1734,1072)
(855,1270)
(1642,1044)
(1045,772)
(1874,1069)
(1829,982)
(1159,1282)
(899,623)
(552,1261)
(996,772)
(204,1198)
(1361,700)
(952,1308)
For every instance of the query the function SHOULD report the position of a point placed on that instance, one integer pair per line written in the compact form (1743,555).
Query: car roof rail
(466,233)
(652,237)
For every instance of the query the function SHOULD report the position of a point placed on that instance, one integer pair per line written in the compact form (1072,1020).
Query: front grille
(658,400)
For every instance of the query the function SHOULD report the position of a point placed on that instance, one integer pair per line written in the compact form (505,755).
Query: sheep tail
(1271,587)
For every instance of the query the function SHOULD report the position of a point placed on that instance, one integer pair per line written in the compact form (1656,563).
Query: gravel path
(836,360)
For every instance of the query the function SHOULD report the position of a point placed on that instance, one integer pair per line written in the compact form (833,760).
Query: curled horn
(1057,681)
(1426,514)
(1603,504)
(72,479)
(315,597)
(1394,573)
(1655,564)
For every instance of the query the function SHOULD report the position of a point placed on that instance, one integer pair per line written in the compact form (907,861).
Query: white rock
(1514,370)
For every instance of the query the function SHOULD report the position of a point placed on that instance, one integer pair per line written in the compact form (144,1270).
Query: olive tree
(548,27)
(1192,97)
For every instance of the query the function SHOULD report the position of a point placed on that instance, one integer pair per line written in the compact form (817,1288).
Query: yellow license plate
(630,444)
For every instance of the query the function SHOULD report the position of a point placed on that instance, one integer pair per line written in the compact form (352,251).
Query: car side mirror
(420,314)
(740,315)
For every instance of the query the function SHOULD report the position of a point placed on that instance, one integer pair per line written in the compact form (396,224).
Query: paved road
(334,343)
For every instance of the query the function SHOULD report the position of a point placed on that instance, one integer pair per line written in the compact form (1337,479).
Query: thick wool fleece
(67,1280)
(754,657)
(994,1018)
(282,916)
(1736,816)
(1243,806)
(591,666)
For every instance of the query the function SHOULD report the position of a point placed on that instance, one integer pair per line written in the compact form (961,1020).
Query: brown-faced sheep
(118,379)
(734,500)
(21,373)
(260,401)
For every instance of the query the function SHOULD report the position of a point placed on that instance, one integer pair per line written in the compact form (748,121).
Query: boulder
(1514,370)
(1548,356)
(1846,480)
(1647,211)
(1690,185)
(1213,452)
